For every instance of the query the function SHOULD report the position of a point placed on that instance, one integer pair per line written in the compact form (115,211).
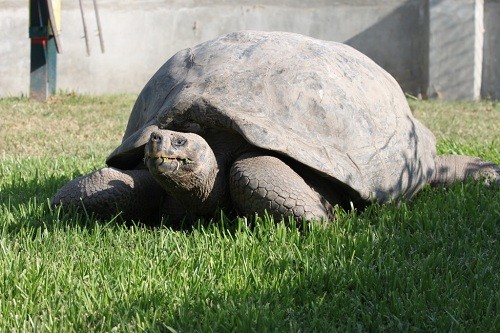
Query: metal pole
(43,65)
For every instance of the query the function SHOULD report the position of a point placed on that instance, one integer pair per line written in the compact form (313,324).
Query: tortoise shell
(320,103)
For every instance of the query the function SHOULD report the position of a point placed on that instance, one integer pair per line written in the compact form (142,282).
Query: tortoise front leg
(109,191)
(260,183)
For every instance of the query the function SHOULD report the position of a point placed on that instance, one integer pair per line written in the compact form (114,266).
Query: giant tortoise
(255,122)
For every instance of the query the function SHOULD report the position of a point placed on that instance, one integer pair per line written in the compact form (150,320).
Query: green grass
(427,265)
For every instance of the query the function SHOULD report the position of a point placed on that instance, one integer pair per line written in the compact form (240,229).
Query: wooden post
(43,32)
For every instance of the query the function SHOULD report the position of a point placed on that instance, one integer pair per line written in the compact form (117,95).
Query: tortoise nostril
(156,137)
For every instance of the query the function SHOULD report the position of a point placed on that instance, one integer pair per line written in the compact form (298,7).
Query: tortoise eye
(179,142)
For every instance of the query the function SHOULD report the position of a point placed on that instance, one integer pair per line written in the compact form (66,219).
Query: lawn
(431,264)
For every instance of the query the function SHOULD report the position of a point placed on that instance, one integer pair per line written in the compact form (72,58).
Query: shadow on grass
(26,201)
(425,265)
(396,269)
(312,306)
(26,205)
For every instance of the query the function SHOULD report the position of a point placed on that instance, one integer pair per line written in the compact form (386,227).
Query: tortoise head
(183,163)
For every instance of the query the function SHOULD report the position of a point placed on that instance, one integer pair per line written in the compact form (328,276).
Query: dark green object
(43,69)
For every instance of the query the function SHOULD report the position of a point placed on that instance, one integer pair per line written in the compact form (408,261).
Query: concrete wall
(141,35)
(14,48)
(491,55)
(455,48)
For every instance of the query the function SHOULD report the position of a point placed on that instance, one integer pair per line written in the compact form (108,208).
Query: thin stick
(85,29)
(98,20)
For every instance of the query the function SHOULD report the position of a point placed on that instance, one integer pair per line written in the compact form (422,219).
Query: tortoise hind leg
(109,191)
(261,183)
(456,168)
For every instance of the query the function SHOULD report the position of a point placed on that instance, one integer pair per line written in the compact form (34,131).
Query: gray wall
(141,35)
(455,48)
(491,52)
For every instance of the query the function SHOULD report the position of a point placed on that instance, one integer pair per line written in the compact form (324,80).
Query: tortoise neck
(226,147)
(206,191)
(207,196)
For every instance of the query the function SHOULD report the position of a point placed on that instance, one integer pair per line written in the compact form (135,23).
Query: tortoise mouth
(161,164)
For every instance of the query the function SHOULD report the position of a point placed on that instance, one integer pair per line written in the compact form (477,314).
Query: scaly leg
(260,183)
(109,191)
